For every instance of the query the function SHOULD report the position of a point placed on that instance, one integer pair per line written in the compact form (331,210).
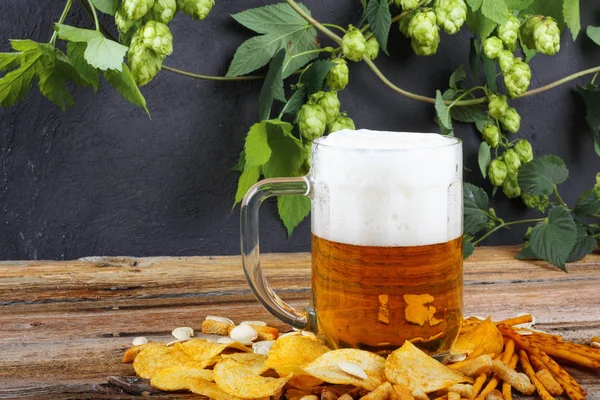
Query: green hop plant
(510,186)
(527,29)
(407,4)
(122,22)
(524,150)
(491,135)
(512,161)
(546,36)
(329,102)
(497,172)
(511,120)
(337,77)
(136,9)
(342,122)
(372,49)
(497,106)
(492,47)
(506,60)
(197,9)
(517,80)
(508,32)
(164,10)
(354,44)
(144,62)
(403,25)
(424,33)
(450,14)
(597,185)
(158,37)
(312,121)
(539,202)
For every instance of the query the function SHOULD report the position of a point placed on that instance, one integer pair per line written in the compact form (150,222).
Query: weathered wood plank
(64,325)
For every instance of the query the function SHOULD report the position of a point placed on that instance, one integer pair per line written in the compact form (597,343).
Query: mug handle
(250,248)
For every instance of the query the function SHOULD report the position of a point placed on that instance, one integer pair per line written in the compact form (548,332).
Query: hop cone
(451,14)
(158,37)
(407,4)
(506,61)
(497,106)
(528,28)
(341,122)
(511,120)
(517,80)
(524,150)
(354,44)
(122,22)
(164,10)
(539,202)
(337,78)
(197,9)
(329,102)
(144,62)
(136,9)
(497,172)
(491,135)
(424,33)
(508,32)
(312,121)
(372,49)
(512,161)
(403,25)
(510,186)
(546,36)
(492,47)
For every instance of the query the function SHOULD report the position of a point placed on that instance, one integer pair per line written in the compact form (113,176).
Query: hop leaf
(517,80)
(354,44)
(136,9)
(511,120)
(312,121)
(197,9)
(337,77)
(497,172)
(450,14)
(342,122)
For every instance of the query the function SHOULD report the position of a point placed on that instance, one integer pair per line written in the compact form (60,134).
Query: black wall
(103,179)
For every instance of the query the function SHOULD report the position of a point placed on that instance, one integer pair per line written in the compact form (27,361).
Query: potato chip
(327,368)
(173,378)
(152,359)
(290,353)
(486,336)
(304,382)
(237,380)
(382,392)
(252,361)
(210,389)
(411,367)
(203,351)
(401,392)
(133,351)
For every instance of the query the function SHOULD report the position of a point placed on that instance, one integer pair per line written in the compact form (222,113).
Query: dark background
(103,179)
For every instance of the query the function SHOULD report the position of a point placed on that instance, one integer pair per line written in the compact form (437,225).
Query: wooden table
(64,324)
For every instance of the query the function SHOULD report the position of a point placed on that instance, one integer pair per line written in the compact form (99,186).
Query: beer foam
(375,188)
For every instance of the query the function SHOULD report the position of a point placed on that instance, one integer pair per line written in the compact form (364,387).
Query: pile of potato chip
(261,364)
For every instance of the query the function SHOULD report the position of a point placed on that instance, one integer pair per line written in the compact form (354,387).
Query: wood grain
(65,324)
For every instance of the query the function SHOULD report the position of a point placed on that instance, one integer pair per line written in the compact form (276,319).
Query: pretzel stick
(549,382)
(566,380)
(572,347)
(506,388)
(531,374)
(509,350)
(478,384)
(523,319)
(476,353)
(567,354)
(570,386)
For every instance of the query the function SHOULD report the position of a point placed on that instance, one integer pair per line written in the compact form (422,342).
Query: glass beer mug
(386,225)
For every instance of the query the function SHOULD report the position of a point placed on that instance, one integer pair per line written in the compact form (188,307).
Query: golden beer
(375,298)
